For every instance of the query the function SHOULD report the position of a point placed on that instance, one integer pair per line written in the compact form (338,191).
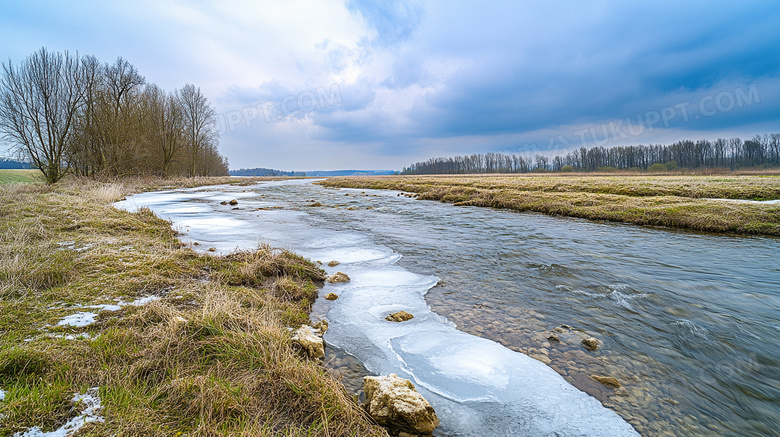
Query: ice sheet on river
(477,386)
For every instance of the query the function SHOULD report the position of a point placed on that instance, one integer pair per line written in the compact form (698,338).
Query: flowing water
(689,323)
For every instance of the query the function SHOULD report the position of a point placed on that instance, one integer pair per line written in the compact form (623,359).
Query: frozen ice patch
(82,319)
(144,300)
(89,402)
(79,320)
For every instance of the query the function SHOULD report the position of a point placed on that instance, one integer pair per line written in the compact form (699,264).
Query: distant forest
(71,114)
(316,173)
(758,152)
(12,164)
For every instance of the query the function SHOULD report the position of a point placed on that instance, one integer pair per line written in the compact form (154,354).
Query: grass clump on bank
(211,355)
(685,202)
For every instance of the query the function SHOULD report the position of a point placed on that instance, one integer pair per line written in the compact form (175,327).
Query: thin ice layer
(477,386)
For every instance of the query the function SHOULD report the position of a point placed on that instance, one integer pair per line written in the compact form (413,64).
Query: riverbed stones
(395,403)
(609,381)
(338,277)
(333,263)
(309,342)
(332,296)
(553,338)
(590,343)
(400,316)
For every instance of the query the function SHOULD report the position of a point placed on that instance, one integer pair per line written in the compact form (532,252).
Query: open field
(19,176)
(686,202)
(209,354)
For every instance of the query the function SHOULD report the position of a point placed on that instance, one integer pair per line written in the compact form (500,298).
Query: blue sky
(327,84)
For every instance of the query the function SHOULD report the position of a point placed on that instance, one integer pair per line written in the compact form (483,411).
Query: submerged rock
(315,205)
(553,338)
(333,263)
(311,343)
(609,381)
(400,316)
(395,403)
(332,296)
(338,277)
(590,343)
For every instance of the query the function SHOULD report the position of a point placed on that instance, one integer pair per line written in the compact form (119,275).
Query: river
(689,323)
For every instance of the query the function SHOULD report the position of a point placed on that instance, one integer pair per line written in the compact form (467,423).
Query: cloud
(417,78)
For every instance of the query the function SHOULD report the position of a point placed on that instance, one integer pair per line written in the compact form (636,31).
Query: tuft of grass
(686,202)
(211,356)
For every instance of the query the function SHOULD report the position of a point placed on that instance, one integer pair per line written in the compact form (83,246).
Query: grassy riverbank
(211,356)
(684,202)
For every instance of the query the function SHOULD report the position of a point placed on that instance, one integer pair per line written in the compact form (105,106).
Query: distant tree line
(13,164)
(69,114)
(762,151)
(265,172)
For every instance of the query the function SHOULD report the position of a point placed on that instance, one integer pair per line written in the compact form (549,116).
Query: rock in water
(400,316)
(590,343)
(609,381)
(332,296)
(313,345)
(394,403)
(333,263)
(553,338)
(233,202)
(338,277)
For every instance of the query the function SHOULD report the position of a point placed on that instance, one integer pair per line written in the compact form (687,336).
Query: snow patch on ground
(79,320)
(83,318)
(90,401)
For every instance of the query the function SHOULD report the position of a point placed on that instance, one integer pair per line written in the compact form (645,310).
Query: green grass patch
(17,176)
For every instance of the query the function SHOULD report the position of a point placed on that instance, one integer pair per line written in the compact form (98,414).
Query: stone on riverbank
(332,296)
(338,277)
(394,403)
(310,342)
(400,316)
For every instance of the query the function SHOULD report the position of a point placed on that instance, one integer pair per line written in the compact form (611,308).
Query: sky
(364,84)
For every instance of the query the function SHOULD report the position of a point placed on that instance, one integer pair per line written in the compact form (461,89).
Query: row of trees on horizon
(69,114)
(762,151)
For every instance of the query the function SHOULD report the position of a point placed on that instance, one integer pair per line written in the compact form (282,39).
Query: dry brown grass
(213,356)
(671,201)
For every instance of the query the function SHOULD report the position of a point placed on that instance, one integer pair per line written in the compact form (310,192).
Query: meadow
(209,354)
(19,176)
(710,203)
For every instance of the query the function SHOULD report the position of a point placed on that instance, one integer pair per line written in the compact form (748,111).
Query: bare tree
(199,125)
(39,101)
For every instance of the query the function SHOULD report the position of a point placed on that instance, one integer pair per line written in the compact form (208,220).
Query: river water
(689,323)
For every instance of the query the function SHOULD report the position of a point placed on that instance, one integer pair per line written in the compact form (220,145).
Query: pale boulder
(310,342)
(394,403)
